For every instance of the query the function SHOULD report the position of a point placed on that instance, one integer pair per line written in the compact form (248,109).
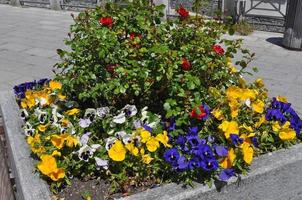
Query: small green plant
(243,28)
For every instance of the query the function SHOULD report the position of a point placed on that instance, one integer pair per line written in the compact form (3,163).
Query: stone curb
(273,176)
(29,185)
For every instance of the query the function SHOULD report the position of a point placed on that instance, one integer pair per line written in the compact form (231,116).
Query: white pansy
(120,134)
(84,123)
(127,139)
(24,114)
(109,142)
(137,124)
(101,162)
(84,138)
(102,112)
(120,118)
(130,110)
(90,113)
(86,152)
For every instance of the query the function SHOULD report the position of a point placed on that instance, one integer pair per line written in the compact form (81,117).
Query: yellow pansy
(71,141)
(282,99)
(142,151)
(61,96)
(56,153)
(218,114)
(233,92)
(248,128)
(48,167)
(53,85)
(145,135)
(260,121)
(73,111)
(147,159)
(64,122)
(258,106)
(248,152)
(228,161)
(132,148)
(32,140)
(248,94)
(58,140)
(42,128)
(259,83)
(229,127)
(276,126)
(286,133)
(234,106)
(117,152)
(152,144)
(163,138)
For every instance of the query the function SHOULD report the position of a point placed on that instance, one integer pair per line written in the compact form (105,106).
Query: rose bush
(140,101)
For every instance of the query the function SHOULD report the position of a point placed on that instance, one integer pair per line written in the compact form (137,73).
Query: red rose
(106,21)
(182,12)
(111,68)
(200,114)
(133,35)
(185,65)
(218,49)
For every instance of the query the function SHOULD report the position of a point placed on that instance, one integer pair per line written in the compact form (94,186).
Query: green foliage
(147,67)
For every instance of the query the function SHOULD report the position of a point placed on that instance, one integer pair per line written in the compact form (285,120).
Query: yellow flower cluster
(59,140)
(119,150)
(246,133)
(285,132)
(236,96)
(43,97)
(36,144)
(48,167)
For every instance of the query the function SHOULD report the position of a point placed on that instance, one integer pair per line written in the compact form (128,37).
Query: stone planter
(275,176)
(28,183)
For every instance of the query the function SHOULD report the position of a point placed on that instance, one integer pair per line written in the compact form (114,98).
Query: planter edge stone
(28,183)
(273,176)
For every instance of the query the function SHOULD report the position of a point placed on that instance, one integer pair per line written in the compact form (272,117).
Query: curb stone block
(273,176)
(28,183)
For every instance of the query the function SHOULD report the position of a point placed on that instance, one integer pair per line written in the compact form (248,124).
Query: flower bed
(140,102)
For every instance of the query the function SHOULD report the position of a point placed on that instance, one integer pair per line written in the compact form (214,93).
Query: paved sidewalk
(29,38)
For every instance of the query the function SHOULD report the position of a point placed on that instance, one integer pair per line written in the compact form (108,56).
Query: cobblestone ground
(29,38)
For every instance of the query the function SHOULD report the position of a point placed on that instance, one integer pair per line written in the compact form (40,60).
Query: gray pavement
(29,38)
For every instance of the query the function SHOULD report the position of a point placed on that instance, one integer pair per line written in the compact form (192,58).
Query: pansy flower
(226,174)
(102,112)
(117,152)
(86,152)
(171,156)
(120,118)
(90,114)
(101,162)
(84,123)
(48,167)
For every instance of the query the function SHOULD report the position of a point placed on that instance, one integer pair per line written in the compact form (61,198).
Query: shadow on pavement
(275,40)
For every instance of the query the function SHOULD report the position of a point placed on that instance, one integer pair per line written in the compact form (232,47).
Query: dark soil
(97,189)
